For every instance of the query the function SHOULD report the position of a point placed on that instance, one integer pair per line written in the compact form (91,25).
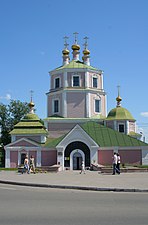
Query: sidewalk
(92,180)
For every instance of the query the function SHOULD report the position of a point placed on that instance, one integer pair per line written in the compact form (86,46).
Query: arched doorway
(77,161)
(74,153)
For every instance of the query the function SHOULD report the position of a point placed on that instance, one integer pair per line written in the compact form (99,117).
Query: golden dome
(118,99)
(31,104)
(75,47)
(65,52)
(86,52)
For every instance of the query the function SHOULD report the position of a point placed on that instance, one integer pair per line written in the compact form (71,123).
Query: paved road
(42,206)
(124,181)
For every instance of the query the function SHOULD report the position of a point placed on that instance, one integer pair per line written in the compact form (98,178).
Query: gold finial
(65,42)
(86,51)
(75,46)
(86,42)
(118,99)
(31,104)
(75,34)
(65,51)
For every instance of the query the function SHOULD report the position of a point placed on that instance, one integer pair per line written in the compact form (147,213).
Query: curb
(75,187)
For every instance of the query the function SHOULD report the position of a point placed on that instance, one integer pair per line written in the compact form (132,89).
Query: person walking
(26,165)
(82,167)
(114,163)
(32,164)
(118,163)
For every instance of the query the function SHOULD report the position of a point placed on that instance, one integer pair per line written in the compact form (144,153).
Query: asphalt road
(41,206)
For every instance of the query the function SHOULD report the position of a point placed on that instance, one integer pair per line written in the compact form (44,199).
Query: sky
(31,44)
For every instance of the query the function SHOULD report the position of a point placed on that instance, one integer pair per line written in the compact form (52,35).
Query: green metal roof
(119,113)
(28,131)
(103,136)
(107,137)
(31,116)
(30,124)
(76,65)
(52,142)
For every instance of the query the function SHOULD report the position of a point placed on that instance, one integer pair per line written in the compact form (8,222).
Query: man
(114,163)
(26,165)
(118,163)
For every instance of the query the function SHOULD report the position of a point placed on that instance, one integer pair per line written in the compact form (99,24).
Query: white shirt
(115,159)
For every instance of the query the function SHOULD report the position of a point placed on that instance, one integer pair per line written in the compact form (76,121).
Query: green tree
(9,116)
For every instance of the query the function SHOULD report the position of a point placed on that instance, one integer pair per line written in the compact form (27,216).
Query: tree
(9,116)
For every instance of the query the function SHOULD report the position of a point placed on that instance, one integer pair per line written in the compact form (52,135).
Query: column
(38,160)
(7,158)
(64,104)
(88,108)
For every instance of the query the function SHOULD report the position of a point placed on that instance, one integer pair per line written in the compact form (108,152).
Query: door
(77,161)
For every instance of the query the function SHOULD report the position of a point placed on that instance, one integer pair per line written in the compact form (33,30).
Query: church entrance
(77,161)
(74,153)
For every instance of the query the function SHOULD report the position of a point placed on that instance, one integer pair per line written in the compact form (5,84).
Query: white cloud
(144,114)
(7,97)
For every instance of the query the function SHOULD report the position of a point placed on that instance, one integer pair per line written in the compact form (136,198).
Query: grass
(8,169)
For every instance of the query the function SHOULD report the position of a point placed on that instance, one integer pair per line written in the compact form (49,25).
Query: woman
(118,163)
(32,164)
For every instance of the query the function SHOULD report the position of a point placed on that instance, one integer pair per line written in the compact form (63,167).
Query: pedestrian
(32,164)
(82,167)
(118,163)
(26,165)
(114,163)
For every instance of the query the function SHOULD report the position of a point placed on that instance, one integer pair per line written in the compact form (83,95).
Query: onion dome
(86,52)
(75,47)
(119,113)
(65,52)
(31,104)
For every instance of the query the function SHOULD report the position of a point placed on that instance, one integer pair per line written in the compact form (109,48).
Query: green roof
(30,124)
(76,65)
(28,131)
(103,136)
(119,113)
(107,137)
(53,142)
(31,116)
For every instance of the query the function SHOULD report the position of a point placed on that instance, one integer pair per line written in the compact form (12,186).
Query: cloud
(7,97)
(144,114)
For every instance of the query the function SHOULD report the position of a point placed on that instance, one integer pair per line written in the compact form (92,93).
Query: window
(57,82)
(97,105)
(56,106)
(95,82)
(121,128)
(76,82)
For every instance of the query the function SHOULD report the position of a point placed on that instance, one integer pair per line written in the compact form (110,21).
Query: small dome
(75,47)
(31,116)
(119,113)
(31,104)
(65,52)
(118,99)
(86,52)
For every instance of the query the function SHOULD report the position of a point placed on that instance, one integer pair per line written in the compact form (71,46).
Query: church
(78,127)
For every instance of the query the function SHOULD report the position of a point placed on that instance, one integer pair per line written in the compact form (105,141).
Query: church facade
(77,126)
